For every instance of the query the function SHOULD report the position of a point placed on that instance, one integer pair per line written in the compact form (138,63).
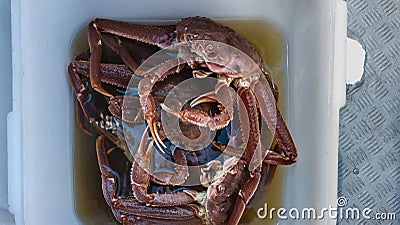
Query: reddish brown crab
(235,181)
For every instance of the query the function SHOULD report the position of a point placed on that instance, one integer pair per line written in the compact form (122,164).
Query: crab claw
(204,98)
(201,118)
(155,134)
(201,74)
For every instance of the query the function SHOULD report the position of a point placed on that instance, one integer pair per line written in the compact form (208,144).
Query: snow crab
(161,197)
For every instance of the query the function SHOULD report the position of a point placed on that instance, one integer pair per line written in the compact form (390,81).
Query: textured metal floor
(369,133)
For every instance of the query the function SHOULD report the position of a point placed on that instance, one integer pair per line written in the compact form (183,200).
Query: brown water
(89,203)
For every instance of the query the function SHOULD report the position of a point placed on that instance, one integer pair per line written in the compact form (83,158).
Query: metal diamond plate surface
(369,127)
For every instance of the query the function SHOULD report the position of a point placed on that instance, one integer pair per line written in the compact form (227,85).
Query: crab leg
(141,180)
(80,118)
(108,176)
(124,47)
(259,97)
(115,74)
(253,129)
(137,220)
(272,85)
(275,158)
(282,135)
(134,207)
(154,35)
(96,49)
(244,196)
(144,33)
(116,44)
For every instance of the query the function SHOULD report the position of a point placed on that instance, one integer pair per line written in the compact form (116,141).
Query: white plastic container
(5,107)
(41,130)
